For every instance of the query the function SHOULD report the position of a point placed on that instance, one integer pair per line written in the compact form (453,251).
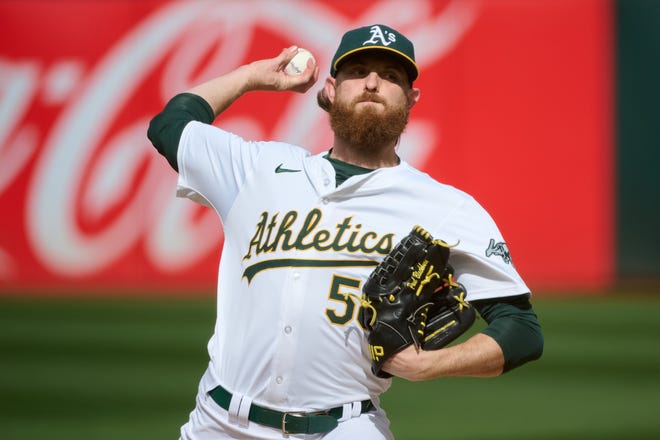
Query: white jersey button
(287,329)
(296,275)
(324,201)
(279,379)
(326,181)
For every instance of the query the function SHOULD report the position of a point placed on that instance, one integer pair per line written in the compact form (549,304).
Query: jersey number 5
(341,290)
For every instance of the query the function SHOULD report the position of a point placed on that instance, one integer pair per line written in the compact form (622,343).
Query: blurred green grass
(115,368)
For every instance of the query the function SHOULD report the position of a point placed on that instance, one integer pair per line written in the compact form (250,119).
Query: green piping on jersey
(254,269)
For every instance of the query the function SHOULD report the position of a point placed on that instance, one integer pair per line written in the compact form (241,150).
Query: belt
(293,422)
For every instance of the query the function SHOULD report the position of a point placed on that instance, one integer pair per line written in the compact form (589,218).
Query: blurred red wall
(516,109)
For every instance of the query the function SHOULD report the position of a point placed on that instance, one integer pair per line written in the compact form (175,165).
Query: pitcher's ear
(329,88)
(413,96)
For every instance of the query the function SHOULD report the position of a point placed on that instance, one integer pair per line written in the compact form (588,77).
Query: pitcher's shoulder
(425,181)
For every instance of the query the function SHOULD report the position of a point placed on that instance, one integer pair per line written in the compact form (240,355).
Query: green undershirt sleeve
(514,326)
(166,127)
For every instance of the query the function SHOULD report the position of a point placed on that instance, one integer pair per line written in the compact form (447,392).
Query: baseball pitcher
(340,269)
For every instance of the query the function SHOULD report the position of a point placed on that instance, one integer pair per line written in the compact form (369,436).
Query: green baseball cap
(376,37)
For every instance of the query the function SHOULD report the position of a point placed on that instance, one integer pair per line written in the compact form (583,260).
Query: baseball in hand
(299,62)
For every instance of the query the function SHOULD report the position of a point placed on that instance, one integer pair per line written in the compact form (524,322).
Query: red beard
(368,128)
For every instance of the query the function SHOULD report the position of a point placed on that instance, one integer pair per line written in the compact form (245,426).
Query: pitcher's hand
(268,74)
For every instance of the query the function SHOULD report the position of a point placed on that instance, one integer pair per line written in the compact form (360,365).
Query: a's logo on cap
(378,37)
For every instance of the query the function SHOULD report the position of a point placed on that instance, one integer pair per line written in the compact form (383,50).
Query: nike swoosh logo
(279,169)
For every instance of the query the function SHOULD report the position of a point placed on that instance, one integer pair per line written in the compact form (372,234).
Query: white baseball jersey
(297,247)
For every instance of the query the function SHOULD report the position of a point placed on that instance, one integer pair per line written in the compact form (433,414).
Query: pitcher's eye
(356,71)
(393,76)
